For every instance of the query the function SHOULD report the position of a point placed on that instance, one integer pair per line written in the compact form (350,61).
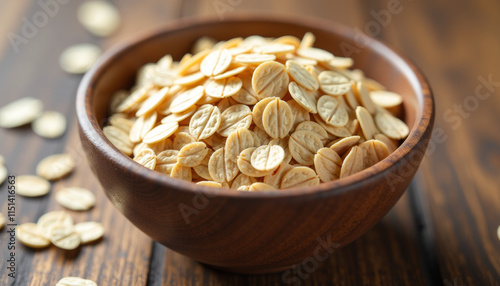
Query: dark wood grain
(122,257)
(454,46)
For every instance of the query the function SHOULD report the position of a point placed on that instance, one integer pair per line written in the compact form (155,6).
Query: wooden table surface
(443,231)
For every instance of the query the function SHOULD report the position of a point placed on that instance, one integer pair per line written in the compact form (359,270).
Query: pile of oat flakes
(256,114)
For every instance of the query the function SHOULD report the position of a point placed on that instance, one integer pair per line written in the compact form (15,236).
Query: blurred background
(442,232)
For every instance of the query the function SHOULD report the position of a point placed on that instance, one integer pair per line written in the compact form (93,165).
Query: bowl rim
(90,128)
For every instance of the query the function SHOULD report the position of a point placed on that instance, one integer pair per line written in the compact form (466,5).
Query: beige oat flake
(353,162)
(77,199)
(391,126)
(210,184)
(32,186)
(99,17)
(192,154)
(166,160)
(343,144)
(187,99)
(161,132)
(205,122)
(277,118)
(50,124)
(332,111)
(303,97)
(242,180)
(270,79)
(236,116)
(216,62)
(238,141)
(30,235)
(89,231)
(20,112)
(181,172)
(79,58)
(75,281)
(301,75)
(221,168)
(245,164)
(299,177)
(182,139)
(55,167)
(47,221)
(65,237)
(366,122)
(225,87)
(374,151)
(303,146)
(327,164)
(334,83)
(267,158)
(142,126)
(254,59)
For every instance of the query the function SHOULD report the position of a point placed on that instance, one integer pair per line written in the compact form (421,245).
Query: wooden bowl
(248,232)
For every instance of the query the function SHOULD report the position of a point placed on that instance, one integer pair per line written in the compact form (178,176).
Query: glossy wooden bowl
(241,231)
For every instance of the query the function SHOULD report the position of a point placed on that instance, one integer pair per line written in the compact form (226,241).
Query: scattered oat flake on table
(50,124)
(55,167)
(29,234)
(75,281)
(334,83)
(47,221)
(99,17)
(65,237)
(77,199)
(20,112)
(89,231)
(32,186)
(78,59)
(270,79)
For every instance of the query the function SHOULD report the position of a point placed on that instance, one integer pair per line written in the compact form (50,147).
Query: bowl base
(250,271)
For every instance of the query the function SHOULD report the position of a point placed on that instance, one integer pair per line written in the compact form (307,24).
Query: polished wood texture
(441,232)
